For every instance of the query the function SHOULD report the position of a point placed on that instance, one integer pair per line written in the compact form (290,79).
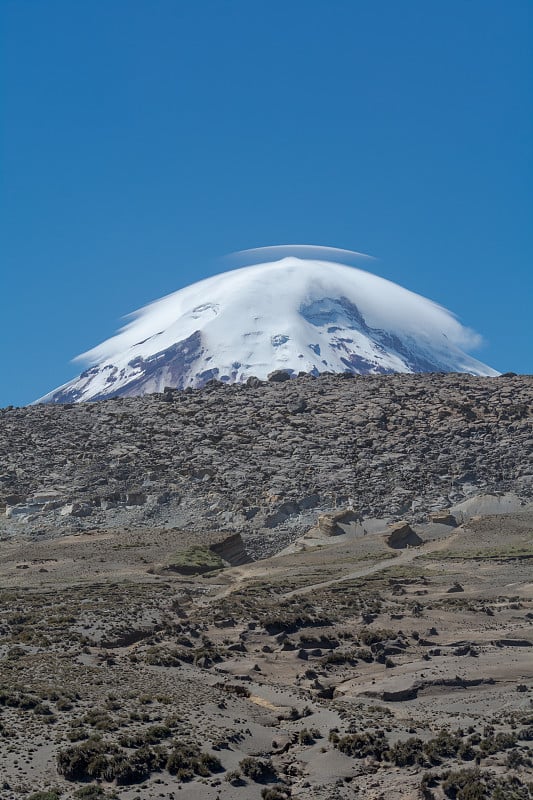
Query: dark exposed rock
(400,695)
(402,535)
(411,692)
(297,406)
(279,375)
(455,588)
(513,643)
(231,549)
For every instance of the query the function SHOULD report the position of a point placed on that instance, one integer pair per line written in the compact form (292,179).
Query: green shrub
(167,657)
(74,762)
(464,784)
(473,784)
(235,778)
(100,719)
(77,734)
(407,753)
(497,743)
(515,759)
(364,654)
(186,760)
(370,636)
(273,793)
(152,735)
(259,770)
(98,759)
(361,745)
(93,792)
(445,745)
(305,737)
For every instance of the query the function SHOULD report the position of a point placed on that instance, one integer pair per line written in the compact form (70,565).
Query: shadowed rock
(328,524)
(402,535)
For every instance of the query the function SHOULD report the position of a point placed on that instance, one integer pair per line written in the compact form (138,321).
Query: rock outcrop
(402,535)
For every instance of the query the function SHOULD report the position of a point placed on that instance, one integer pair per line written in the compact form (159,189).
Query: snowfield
(297,314)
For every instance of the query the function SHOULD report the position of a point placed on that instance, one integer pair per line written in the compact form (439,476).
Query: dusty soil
(339,668)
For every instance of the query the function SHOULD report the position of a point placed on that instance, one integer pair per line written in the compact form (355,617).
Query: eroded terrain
(315,588)
(348,665)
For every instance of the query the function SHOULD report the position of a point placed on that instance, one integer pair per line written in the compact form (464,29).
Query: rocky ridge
(264,458)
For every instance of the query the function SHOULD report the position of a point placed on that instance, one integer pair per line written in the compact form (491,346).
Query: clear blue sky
(143,139)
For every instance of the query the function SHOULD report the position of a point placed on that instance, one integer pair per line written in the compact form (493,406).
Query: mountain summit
(294,314)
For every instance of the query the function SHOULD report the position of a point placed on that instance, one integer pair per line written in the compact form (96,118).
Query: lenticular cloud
(300,311)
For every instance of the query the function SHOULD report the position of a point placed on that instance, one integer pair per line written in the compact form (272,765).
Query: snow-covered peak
(293,313)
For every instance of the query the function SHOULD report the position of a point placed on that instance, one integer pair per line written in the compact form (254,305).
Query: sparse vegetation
(195,560)
(361,745)
(50,794)
(475,784)
(97,758)
(120,672)
(259,770)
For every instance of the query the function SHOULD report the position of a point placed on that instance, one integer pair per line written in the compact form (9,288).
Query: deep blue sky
(143,139)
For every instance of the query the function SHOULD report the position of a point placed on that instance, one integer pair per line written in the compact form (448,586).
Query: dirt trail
(406,556)
(253,571)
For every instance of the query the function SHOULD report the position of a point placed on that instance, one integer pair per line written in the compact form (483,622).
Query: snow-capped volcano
(295,314)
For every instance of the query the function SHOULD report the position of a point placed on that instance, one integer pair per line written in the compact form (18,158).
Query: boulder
(278,376)
(231,549)
(297,406)
(81,510)
(443,518)
(402,535)
(455,588)
(328,524)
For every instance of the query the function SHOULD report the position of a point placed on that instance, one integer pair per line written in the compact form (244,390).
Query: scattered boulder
(80,510)
(328,524)
(402,535)
(443,518)
(281,514)
(135,497)
(455,588)
(297,406)
(278,376)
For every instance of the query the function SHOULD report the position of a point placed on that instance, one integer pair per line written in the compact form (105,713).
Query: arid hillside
(317,589)
(262,459)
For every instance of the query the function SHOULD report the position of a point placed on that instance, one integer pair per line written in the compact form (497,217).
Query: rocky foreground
(317,588)
(261,459)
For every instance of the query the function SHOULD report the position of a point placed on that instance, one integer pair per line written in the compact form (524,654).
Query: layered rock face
(264,459)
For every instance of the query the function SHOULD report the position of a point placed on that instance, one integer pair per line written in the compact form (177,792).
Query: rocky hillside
(264,458)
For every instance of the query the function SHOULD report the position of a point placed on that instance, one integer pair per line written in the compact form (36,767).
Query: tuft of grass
(492,553)
(195,560)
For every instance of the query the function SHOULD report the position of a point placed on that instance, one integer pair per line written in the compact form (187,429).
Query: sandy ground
(285,661)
